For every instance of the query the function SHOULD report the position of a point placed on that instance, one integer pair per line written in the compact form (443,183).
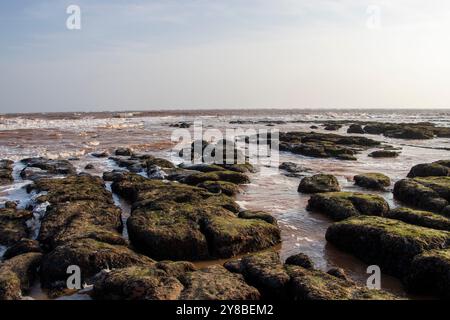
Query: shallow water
(270,190)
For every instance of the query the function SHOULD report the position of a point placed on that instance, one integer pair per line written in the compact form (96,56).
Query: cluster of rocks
(38,168)
(322,145)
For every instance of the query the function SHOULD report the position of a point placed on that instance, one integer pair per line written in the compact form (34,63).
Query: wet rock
(250,214)
(116,174)
(355,128)
(293,169)
(319,183)
(228,176)
(136,283)
(429,170)
(420,218)
(430,193)
(17,275)
(339,273)
(402,130)
(123,152)
(49,166)
(181,222)
(384,154)
(216,283)
(300,259)
(227,188)
(91,256)
(202,167)
(100,154)
(341,205)
(332,126)
(388,243)
(6,170)
(430,273)
(11,205)
(89,166)
(314,127)
(21,247)
(372,180)
(13,225)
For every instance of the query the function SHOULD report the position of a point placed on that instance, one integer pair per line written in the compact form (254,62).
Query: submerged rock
(430,193)
(384,154)
(377,181)
(388,243)
(319,183)
(430,273)
(13,225)
(420,218)
(293,169)
(341,205)
(6,170)
(17,275)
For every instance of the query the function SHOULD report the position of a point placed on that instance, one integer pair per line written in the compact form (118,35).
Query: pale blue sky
(177,54)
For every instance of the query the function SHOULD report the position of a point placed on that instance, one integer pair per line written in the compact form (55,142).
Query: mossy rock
(420,218)
(23,246)
(431,193)
(261,215)
(136,283)
(91,256)
(17,275)
(428,170)
(6,170)
(202,167)
(341,205)
(228,236)
(300,259)
(389,243)
(227,188)
(430,273)
(13,225)
(216,283)
(372,180)
(319,183)
(228,176)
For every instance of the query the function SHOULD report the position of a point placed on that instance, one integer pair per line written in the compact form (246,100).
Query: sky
(215,54)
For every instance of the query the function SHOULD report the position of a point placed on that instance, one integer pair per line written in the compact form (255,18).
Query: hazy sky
(161,54)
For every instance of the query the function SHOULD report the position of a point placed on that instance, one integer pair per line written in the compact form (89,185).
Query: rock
(377,181)
(429,170)
(300,259)
(202,167)
(89,166)
(332,126)
(293,169)
(100,154)
(183,125)
(6,170)
(13,225)
(17,275)
(91,256)
(355,128)
(430,273)
(420,218)
(182,222)
(11,205)
(114,175)
(430,193)
(21,247)
(227,188)
(216,283)
(319,183)
(49,168)
(228,176)
(127,152)
(249,214)
(341,205)
(339,273)
(388,243)
(384,154)
(136,283)
(314,127)
(155,172)
(402,130)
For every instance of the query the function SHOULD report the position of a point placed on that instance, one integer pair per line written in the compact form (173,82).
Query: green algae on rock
(341,205)
(319,183)
(420,218)
(389,243)
(372,180)
(13,225)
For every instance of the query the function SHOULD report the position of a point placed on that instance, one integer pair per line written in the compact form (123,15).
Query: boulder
(13,225)
(319,183)
(355,128)
(430,273)
(420,218)
(300,259)
(17,275)
(377,181)
(341,205)
(388,243)
(429,170)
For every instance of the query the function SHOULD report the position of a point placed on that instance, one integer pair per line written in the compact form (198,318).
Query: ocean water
(77,135)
